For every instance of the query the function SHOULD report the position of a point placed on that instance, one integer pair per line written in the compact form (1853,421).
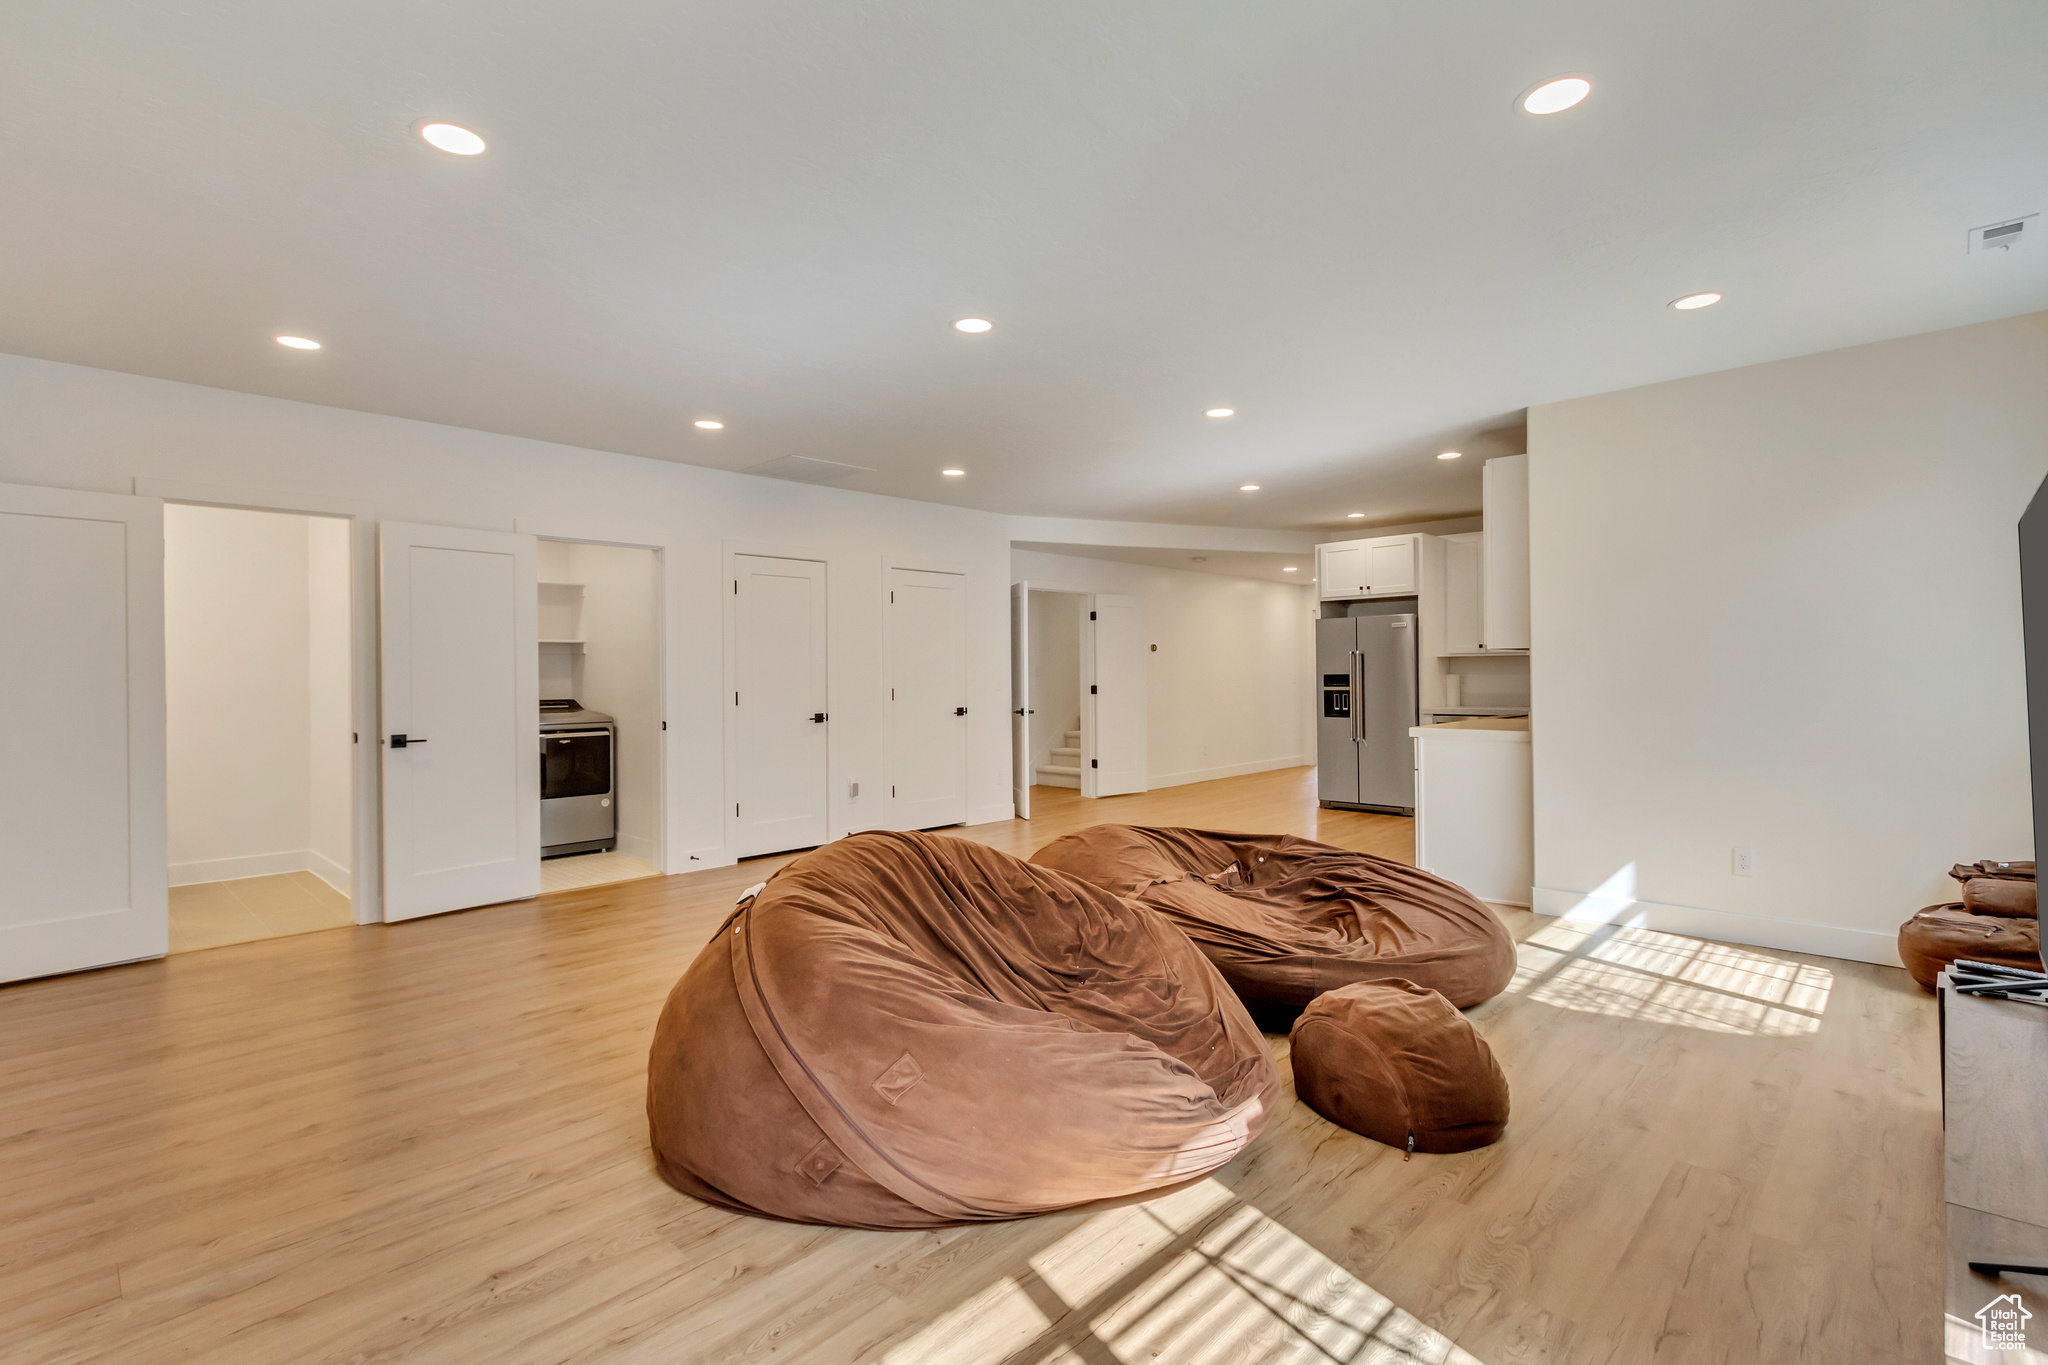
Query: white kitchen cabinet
(1474,807)
(1464,588)
(1505,500)
(1386,566)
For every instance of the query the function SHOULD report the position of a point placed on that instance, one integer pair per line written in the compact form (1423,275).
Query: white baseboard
(983,815)
(1721,926)
(234,869)
(327,870)
(638,846)
(1264,765)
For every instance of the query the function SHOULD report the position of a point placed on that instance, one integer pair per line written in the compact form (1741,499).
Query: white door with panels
(83,879)
(1113,650)
(458,625)
(1020,698)
(926,649)
(781,716)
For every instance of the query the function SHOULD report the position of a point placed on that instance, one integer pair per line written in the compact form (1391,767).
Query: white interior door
(1113,720)
(926,647)
(780,707)
(1020,698)
(83,880)
(458,616)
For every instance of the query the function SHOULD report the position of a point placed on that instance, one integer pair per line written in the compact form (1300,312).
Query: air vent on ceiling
(804,469)
(2003,236)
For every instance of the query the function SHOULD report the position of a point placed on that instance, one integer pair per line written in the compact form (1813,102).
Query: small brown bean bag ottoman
(1286,919)
(907,1030)
(1397,1063)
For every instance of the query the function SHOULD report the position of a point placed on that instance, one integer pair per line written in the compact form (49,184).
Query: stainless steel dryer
(579,810)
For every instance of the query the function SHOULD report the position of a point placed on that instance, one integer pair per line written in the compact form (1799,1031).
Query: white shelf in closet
(578,643)
(1483,654)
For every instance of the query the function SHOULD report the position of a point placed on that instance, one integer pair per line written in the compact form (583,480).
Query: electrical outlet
(853,791)
(1744,859)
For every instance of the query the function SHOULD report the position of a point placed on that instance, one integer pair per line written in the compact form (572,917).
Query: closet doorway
(600,740)
(260,746)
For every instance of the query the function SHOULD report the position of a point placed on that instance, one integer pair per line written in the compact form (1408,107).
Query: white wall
(1228,690)
(330,720)
(1779,607)
(256,656)
(1055,672)
(68,426)
(620,671)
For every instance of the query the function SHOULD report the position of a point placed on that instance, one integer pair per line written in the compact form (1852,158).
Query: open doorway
(259,735)
(600,722)
(1055,722)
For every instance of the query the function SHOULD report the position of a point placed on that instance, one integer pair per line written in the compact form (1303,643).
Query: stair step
(1060,768)
(1051,775)
(1073,739)
(1072,756)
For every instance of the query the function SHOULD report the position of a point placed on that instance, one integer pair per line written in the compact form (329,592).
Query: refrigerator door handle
(1358,696)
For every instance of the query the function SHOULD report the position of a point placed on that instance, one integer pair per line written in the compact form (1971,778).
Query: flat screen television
(2034,628)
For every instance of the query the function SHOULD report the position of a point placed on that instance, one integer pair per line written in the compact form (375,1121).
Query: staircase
(1065,768)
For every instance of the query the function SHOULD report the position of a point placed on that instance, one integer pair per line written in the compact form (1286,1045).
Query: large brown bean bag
(907,1030)
(1941,934)
(1399,1064)
(1286,919)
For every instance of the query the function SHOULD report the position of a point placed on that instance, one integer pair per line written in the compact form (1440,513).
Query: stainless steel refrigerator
(1365,756)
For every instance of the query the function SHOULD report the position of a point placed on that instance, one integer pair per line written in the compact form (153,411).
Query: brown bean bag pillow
(2009,897)
(1286,919)
(906,1030)
(1941,934)
(1397,1063)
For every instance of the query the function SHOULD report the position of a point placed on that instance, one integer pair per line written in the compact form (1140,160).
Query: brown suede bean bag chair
(1996,921)
(1399,1064)
(1286,919)
(907,1030)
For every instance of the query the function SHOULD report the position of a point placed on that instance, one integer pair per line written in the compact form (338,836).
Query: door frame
(889,565)
(729,721)
(366,803)
(542,529)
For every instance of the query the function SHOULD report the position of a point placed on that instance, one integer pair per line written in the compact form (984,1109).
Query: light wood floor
(425,1142)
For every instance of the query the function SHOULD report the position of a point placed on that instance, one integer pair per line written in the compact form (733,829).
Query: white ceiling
(1324,214)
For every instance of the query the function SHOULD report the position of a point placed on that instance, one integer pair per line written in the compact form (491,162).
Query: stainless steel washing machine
(579,810)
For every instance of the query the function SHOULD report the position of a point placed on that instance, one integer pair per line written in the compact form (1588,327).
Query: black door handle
(1024,711)
(819,718)
(404,741)
(959,710)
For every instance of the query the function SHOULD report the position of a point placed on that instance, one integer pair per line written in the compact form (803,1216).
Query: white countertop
(1509,728)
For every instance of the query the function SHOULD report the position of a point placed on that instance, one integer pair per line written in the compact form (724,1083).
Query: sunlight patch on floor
(1194,1276)
(1634,973)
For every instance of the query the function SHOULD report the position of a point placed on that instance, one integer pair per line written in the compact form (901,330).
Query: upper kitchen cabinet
(1504,497)
(1387,566)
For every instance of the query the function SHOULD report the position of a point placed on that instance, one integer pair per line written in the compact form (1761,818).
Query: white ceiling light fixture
(454,140)
(954,473)
(1692,301)
(1554,96)
(1247,488)
(1289,568)
(1220,412)
(706,424)
(1354,516)
(974,325)
(299,343)
(1452,455)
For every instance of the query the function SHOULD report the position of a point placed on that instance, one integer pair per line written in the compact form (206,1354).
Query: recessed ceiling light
(1354,515)
(449,138)
(1220,412)
(1289,569)
(1553,97)
(952,473)
(973,325)
(1452,455)
(1247,488)
(299,343)
(1692,301)
(709,425)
